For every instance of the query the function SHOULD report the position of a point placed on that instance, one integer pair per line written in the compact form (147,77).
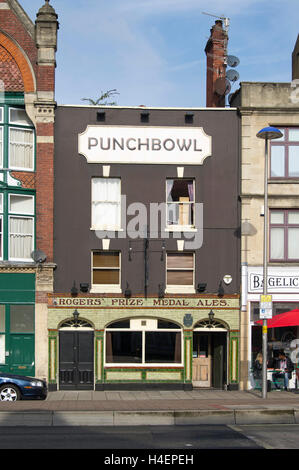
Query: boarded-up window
(106,268)
(180,269)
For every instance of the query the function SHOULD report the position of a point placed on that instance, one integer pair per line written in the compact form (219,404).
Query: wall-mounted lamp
(220,289)
(161,292)
(76,317)
(84,286)
(163,250)
(201,287)
(211,316)
(74,290)
(128,291)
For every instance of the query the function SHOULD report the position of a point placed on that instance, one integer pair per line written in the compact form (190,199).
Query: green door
(219,360)
(21,354)
(17,323)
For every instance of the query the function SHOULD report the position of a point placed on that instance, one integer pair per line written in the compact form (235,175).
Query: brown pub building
(132,212)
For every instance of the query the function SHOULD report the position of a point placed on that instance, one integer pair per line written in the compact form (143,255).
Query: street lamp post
(267,133)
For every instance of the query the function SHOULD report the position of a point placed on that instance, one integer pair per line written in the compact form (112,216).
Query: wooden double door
(76,360)
(209,363)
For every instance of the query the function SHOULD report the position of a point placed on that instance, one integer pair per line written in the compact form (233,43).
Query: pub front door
(76,360)
(209,363)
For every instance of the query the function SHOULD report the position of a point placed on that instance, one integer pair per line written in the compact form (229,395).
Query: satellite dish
(232,60)
(38,256)
(232,75)
(222,86)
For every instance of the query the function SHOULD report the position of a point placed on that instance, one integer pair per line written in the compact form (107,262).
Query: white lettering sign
(275,283)
(154,145)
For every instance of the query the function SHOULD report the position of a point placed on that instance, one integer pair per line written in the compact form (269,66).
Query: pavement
(127,408)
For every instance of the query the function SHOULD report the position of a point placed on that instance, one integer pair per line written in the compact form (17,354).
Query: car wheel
(9,393)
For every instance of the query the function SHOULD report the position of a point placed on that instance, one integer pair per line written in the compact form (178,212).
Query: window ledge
(135,365)
(103,289)
(284,181)
(107,229)
(16,263)
(181,228)
(283,263)
(16,169)
(180,290)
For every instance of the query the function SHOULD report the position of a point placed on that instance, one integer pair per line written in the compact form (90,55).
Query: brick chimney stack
(216,66)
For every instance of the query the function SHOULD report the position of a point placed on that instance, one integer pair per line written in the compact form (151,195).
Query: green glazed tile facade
(99,318)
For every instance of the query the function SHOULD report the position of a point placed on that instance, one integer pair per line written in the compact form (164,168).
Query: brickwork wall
(17,75)
(14,28)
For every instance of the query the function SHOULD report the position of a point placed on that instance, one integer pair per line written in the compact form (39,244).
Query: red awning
(290,318)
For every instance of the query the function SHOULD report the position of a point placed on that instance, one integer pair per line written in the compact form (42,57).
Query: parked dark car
(17,387)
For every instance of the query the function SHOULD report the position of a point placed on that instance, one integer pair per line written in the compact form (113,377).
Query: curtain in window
(109,353)
(172,209)
(277,243)
(106,203)
(1,237)
(293,246)
(21,148)
(191,190)
(1,147)
(20,237)
(177,351)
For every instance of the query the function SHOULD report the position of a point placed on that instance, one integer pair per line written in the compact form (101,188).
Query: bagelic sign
(128,144)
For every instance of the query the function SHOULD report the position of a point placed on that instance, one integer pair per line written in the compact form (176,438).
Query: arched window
(211,324)
(72,323)
(143,341)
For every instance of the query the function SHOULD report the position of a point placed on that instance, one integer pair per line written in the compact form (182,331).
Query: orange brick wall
(22,73)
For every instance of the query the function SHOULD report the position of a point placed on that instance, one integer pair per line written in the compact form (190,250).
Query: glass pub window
(285,154)
(160,344)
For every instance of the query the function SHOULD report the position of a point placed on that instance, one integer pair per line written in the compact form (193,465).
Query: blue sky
(152,51)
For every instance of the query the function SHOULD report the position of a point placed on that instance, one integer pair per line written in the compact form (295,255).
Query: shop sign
(153,145)
(120,302)
(277,281)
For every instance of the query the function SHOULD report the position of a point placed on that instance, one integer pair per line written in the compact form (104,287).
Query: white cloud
(152,51)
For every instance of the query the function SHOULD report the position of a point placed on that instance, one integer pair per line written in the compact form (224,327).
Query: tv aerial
(223,85)
(224,18)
